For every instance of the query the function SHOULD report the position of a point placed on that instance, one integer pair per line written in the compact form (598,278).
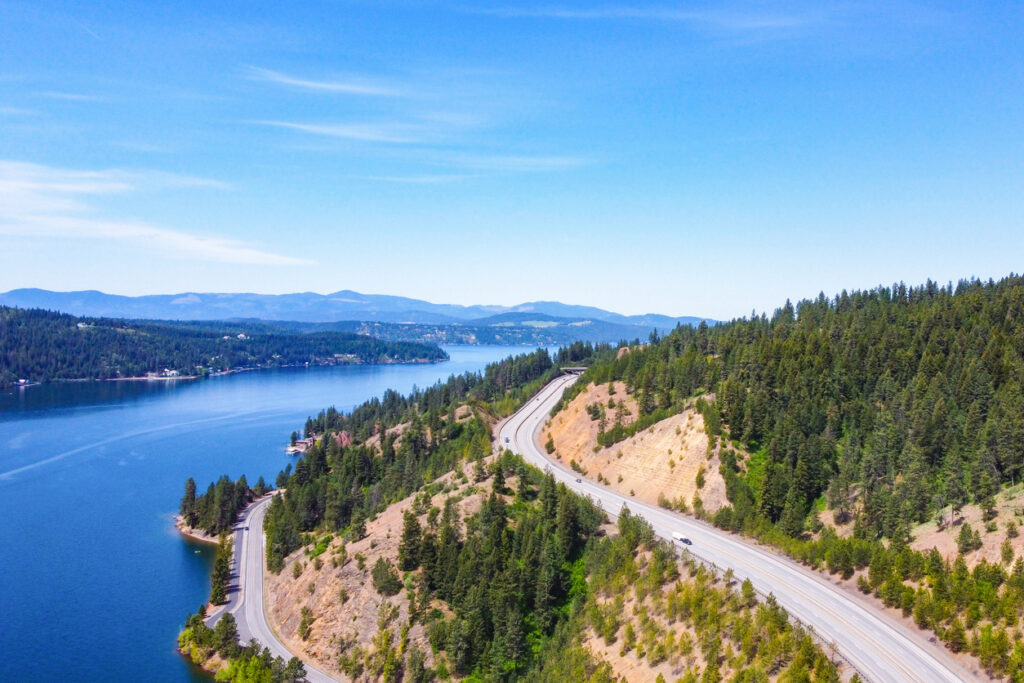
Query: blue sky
(684,158)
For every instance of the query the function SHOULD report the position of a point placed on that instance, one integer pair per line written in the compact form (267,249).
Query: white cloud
(513,163)
(69,96)
(44,201)
(399,133)
(422,179)
(15,111)
(355,86)
(732,20)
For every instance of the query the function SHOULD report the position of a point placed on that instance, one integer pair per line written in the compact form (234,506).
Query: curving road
(245,595)
(877,646)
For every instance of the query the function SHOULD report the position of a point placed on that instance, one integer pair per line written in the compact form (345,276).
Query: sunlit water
(96,582)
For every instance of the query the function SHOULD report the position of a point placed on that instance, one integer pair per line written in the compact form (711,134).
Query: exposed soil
(661,461)
(1009,508)
(354,621)
(629,667)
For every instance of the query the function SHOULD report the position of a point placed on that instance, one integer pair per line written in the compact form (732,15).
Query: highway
(245,596)
(878,647)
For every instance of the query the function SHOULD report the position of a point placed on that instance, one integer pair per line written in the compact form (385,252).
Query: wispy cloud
(726,19)
(398,133)
(15,111)
(439,124)
(86,28)
(44,201)
(512,163)
(69,96)
(352,86)
(149,147)
(424,179)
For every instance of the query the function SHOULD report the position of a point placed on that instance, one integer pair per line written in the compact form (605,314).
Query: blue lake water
(96,582)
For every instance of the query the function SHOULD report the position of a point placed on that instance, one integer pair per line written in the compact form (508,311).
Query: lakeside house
(301,445)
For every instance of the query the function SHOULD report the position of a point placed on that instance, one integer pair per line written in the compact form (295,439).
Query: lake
(96,580)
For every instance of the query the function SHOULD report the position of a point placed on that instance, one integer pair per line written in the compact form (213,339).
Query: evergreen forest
(42,346)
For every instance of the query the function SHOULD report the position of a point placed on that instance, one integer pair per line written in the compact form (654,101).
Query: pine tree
(966,539)
(188,503)
(221,571)
(410,545)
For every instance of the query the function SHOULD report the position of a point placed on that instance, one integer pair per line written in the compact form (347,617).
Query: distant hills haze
(312,307)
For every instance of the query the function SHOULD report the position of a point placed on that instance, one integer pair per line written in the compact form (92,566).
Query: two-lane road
(879,647)
(246,598)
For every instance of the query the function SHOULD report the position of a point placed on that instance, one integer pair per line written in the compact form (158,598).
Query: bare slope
(661,462)
(992,533)
(339,593)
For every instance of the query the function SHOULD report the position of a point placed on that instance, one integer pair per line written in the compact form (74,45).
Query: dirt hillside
(663,460)
(1009,513)
(355,618)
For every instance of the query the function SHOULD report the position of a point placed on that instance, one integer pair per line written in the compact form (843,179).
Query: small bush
(306,624)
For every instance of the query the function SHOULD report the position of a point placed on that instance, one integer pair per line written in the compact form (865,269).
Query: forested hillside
(42,346)
(889,407)
(565,598)
(555,584)
(900,399)
(334,487)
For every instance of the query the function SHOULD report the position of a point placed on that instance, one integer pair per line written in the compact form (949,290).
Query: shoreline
(142,379)
(199,536)
(219,373)
(193,533)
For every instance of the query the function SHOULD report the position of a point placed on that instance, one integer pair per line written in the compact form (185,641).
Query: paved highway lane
(246,599)
(879,647)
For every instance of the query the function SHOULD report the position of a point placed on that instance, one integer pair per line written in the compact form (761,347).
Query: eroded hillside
(665,462)
(333,580)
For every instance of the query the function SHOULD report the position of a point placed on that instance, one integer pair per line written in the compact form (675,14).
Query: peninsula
(43,346)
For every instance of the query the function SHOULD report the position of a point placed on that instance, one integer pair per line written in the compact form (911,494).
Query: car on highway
(682,539)
(506,439)
(578,480)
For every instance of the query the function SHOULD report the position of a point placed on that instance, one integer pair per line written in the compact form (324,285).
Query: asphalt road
(877,646)
(245,595)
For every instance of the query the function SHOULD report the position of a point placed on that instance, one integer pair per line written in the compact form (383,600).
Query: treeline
(895,402)
(45,346)
(245,663)
(504,384)
(584,353)
(555,331)
(216,510)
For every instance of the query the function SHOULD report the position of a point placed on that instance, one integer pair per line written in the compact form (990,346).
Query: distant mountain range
(392,317)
